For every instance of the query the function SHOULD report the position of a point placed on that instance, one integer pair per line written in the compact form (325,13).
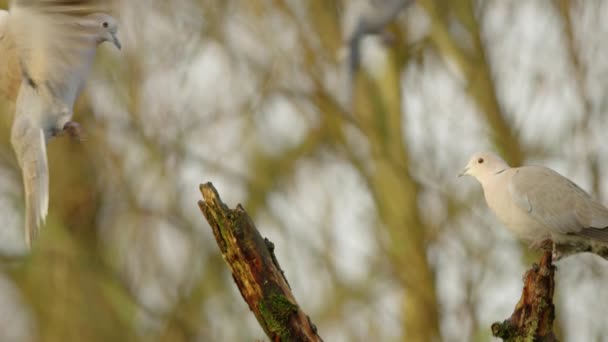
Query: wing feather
(600,234)
(10,71)
(50,37)
(30,147)
(551,199)
(70,7)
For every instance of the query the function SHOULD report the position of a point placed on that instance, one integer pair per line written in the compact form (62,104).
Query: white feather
(44,193)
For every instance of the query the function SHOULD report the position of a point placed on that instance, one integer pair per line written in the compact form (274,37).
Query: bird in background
(537,204)
(372,18)
(47,49)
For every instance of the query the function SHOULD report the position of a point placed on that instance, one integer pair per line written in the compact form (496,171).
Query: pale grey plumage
(537,203)
(47,48)
(555,200)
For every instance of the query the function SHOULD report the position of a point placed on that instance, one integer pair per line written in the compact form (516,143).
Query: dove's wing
(376,15)
(30,147)
(382,12)
(558,203)
(51,39)
(10,72)
(70,7)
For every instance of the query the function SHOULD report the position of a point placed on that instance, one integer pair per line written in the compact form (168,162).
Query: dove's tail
(574,246)
(599,243)
(30,146)
(599,234)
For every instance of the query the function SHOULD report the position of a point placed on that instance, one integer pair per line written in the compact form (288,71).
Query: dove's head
(484,164)
(106,28)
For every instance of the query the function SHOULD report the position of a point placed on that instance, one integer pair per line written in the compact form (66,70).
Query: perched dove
(537,203)
(47,48)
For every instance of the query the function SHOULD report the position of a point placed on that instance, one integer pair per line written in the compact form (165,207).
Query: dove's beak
(116,42)
(464,172)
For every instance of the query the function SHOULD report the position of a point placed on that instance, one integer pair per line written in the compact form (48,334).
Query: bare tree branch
(534,314)
(256,271)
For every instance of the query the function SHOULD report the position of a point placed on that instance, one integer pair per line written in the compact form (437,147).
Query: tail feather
(600,234)
(30,146)
(580,245)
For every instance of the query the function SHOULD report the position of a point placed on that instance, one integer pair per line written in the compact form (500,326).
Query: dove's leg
(74,130)
(546,245)
(543,245)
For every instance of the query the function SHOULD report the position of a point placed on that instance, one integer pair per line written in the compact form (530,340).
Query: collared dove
(47,48)
(537,203)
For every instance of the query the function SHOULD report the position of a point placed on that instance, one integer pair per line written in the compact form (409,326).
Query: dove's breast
(516,219)
(67,84)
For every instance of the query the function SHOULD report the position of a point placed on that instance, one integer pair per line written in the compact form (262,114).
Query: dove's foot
(74,130)
(544,245)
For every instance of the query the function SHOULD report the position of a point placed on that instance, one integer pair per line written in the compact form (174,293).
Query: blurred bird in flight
(47,48)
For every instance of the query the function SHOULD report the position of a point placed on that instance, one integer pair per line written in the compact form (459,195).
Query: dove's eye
(480,161)
(105,24)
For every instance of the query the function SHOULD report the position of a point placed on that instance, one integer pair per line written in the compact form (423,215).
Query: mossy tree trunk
(256,271)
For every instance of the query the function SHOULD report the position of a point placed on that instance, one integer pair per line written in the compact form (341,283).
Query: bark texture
(534,314)
(256,271)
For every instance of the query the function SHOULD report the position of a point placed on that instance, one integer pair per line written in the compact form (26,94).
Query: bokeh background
(379,239)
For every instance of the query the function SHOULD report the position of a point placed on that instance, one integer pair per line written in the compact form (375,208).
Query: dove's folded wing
(551,199)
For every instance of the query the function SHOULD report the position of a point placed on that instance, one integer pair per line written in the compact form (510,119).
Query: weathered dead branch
(256,271)
(532,319)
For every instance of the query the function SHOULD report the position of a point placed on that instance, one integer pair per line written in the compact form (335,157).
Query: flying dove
(537,203)
(372,18)
(47,48)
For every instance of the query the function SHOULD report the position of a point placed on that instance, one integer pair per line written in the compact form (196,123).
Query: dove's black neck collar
(501,171)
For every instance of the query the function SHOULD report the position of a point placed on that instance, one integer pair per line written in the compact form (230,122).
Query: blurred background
(352,176)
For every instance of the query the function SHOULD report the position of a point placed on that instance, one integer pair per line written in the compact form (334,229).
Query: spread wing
(10,72)
(50,37)
(30,147)
(558,203)
(374,17)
